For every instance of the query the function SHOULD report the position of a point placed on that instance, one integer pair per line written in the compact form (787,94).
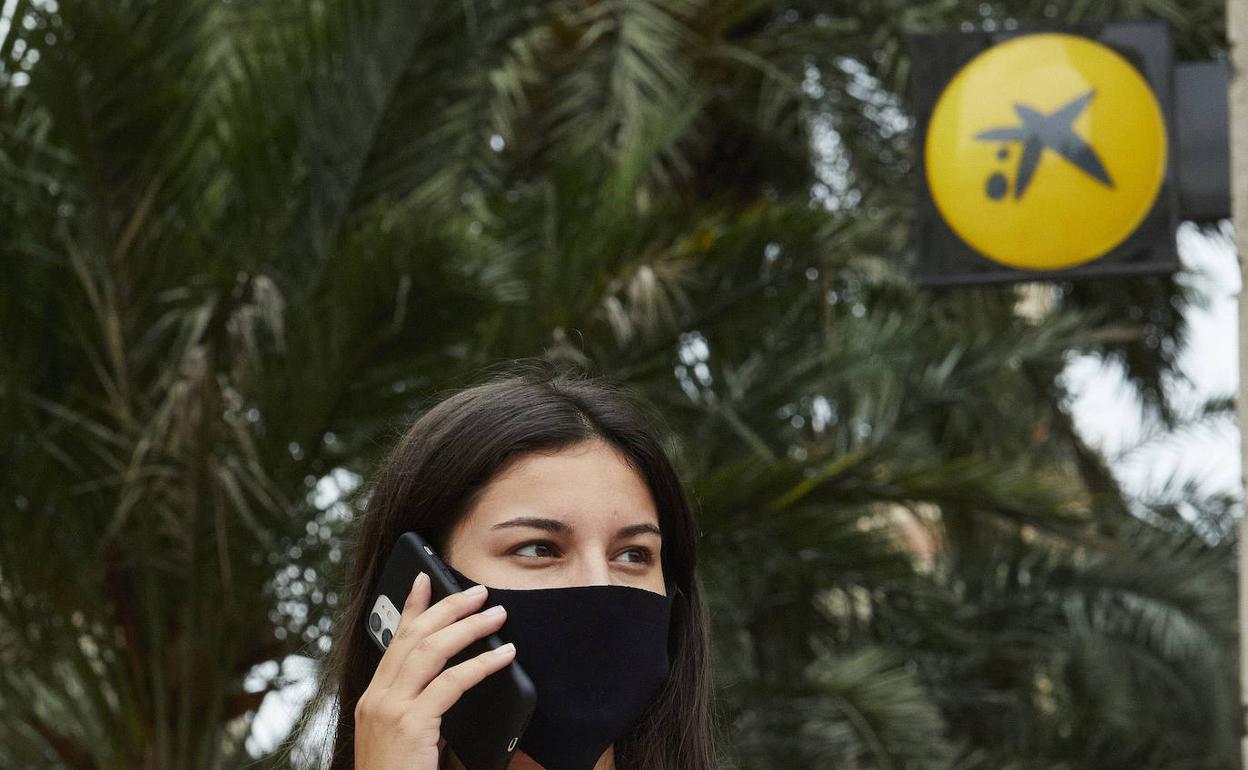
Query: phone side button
(513,743)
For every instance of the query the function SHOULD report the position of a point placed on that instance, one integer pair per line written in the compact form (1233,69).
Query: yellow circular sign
(1046,151)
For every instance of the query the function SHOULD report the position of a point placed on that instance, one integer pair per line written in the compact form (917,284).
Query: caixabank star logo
(1043,153)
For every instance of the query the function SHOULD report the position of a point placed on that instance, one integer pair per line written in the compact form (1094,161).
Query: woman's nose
(590,572)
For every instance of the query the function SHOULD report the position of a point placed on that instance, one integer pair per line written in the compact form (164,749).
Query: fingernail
(494,611)
(419,577)
(505,651)
(475,591)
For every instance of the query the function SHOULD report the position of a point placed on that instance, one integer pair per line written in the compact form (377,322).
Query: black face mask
(596,654)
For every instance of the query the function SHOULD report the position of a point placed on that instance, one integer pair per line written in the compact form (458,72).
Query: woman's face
(578,516)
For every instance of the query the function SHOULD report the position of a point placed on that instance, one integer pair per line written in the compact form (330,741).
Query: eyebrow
(554,525)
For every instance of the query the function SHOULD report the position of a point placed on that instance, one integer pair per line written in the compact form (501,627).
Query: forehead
(587,484)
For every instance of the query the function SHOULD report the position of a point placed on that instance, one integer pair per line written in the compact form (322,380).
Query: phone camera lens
(374,622)
(386,636)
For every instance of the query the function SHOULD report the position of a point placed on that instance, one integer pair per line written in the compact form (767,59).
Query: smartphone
(485,725)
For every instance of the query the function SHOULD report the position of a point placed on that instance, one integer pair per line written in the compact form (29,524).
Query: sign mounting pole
(1237,30)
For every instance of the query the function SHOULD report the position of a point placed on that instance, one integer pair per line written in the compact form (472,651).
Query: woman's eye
(541,550)
(640,555)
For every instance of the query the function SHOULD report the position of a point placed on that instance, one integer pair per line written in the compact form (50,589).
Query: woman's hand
(399,716)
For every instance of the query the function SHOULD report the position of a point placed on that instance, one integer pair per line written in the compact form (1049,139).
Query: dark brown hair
(428,482)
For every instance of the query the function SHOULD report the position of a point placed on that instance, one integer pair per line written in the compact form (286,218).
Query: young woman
(534,480)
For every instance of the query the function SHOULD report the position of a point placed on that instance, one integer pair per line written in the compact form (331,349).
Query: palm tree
(251,237)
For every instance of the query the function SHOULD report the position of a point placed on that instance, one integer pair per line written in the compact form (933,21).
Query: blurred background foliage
(245,240)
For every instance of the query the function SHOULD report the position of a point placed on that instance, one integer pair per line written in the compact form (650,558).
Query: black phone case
(484,726)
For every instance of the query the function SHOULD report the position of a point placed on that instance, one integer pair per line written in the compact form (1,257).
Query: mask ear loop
(678,598)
